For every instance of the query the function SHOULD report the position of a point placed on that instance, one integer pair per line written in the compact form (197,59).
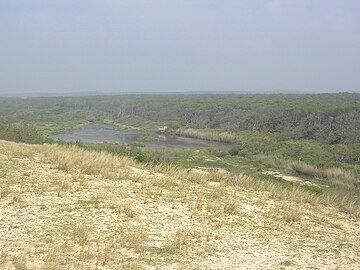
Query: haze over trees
(328,118)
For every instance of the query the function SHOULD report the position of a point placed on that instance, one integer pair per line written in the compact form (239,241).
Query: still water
(105,134)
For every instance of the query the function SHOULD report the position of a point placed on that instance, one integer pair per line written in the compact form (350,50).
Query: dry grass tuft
(294,194)
(127,210)
(197,176)
(169,169)
(341,177)
(304,169)
(336,176)
(208,135)
(240,180)
(292,213)
(135,238)
(21,150)
(230,207)
(92,163)
(218,176)
(178,243)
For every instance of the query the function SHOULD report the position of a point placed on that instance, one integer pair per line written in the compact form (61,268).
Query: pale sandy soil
(291,178)
(56,219)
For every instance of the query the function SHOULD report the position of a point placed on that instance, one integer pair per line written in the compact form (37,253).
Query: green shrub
(234,151)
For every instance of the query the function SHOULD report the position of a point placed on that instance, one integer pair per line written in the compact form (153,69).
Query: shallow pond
(107,134)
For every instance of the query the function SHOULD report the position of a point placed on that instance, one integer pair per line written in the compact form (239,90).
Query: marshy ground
(66,208)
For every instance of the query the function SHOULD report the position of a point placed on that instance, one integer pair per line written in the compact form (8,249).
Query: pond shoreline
(102,133)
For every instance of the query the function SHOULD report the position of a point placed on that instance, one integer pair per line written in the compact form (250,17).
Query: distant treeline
(327,118)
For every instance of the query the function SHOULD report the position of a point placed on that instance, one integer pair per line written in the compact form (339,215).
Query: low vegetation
(96,210)
(327,118)
(284,176)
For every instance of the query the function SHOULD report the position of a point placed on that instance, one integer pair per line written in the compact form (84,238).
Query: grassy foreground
(67,208)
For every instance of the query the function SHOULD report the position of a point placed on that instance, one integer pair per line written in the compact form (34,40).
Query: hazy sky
(179,45)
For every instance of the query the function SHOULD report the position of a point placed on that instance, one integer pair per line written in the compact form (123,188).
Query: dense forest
(327,118)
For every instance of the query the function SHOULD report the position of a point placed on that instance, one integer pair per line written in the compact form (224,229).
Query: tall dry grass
(304,169)
(341,177)
(207,135)
(110,166)
(336,176)
(87,162)
(19,150)
(241,180)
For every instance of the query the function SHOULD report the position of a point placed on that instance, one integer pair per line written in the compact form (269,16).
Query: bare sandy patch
(52,218)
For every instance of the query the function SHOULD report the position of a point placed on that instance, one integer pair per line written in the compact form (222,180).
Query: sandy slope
(138,219)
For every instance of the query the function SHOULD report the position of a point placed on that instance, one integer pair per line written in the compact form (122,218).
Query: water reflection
(101,135)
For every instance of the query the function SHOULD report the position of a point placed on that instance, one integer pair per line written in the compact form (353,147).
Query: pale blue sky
(179,45)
